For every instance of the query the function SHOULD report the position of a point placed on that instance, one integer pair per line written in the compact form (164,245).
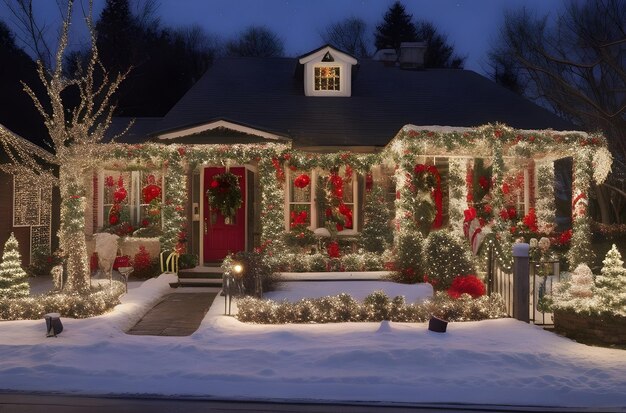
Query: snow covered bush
(375,307)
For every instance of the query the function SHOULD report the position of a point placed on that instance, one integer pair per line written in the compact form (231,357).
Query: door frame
(247,167)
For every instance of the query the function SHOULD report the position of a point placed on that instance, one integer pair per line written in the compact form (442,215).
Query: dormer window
(328,78)
(327,72)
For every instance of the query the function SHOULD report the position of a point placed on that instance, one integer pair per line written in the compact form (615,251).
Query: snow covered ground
(489,362)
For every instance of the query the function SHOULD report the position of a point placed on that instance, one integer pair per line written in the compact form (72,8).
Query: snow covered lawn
(497,361)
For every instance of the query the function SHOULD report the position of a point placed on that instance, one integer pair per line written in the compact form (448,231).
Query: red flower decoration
(108,181)
(506,189)
(113,219)
(302,181)
(298,219)
(150,192)
(565,237)
(512,213)
(484,182)
(120,194)
(530,220)
(467,284)
(333,249)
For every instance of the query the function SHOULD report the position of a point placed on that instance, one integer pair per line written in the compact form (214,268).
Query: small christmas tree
(446,258)
(13,278)
(377,232)
(581,284)
(611,283)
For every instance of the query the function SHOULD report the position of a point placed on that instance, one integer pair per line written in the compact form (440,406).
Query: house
(28,211)
(306,137)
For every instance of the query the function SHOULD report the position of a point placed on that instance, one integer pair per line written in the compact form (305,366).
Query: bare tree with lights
(74,130)
(576,66)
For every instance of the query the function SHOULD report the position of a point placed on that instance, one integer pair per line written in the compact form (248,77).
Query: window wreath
(224,194)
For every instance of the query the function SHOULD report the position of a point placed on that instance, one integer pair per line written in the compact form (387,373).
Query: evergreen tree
(377,232)
(13,278)
(611,283)
(396,28)
(439,53)
(445,258)
(409,265)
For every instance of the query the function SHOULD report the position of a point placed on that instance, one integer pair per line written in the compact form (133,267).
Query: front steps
(201,276)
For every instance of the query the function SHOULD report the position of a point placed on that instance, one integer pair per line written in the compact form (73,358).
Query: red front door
(221,236)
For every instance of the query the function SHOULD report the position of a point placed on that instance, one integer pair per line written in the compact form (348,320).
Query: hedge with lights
(73,305)
(374,308)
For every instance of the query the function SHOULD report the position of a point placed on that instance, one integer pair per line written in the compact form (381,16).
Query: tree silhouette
(395,28)
(348,35)
(439,53)
(256,41)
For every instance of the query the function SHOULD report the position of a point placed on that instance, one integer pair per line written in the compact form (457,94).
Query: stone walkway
(177,314)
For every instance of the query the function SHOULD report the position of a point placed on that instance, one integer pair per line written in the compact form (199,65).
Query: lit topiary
(13,278)
(446,258)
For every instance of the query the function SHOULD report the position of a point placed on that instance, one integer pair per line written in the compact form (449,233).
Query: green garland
(403,149)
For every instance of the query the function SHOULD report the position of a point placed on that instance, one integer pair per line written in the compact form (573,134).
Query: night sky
(471,25)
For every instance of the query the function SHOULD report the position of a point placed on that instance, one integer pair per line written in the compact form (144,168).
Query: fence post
(521,282)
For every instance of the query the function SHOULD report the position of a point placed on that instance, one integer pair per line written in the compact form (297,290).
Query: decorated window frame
(311,199)
(133,206)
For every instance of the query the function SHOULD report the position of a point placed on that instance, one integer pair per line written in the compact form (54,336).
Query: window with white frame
(327,78)
(131,197)
(328,196)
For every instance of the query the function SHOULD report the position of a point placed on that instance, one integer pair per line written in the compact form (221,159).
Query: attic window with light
(328,73)
(327,78)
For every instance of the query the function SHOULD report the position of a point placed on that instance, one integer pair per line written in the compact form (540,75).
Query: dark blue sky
(471,25)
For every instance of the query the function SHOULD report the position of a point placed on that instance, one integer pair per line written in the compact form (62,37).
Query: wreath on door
(224,194)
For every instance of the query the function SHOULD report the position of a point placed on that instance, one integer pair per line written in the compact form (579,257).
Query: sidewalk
(177,314)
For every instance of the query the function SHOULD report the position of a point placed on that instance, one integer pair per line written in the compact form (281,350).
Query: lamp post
(228,282)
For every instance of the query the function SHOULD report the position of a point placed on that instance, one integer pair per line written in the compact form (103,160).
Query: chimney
(412,55)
